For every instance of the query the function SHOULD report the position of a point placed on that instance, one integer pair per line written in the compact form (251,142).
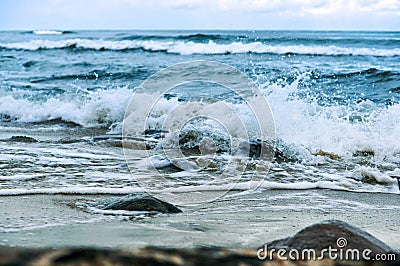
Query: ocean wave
(50,32)
(341,185)
(190,47)
(307,126)
(308,129)
(95,74)
(90,109)
(370,72)
(190,37)
(70,191)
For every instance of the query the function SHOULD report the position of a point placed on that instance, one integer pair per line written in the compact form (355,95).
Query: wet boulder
(335,234)
(23,139)
(138,202)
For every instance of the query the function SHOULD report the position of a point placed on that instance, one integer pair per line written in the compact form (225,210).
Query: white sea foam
(19,177)
(71,191)
(309,127)
(302,124)
(101,107)
(369,174)
(304,185)
(47,32)
(189,47)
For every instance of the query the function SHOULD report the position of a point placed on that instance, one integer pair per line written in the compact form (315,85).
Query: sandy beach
(236,221)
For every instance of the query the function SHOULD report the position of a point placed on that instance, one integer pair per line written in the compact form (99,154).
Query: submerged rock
(23,139)
(335,234)
(29,63)
(138,202)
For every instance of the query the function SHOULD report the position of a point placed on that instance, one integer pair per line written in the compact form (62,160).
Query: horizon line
(194,29)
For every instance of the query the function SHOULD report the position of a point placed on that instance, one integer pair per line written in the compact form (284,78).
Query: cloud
(201,14)
(382,6)
(305,6)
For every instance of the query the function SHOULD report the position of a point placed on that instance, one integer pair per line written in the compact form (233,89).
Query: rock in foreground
(335,234)
(151,256)
(316,236)
(138,202)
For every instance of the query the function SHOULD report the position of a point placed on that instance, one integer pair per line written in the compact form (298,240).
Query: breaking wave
(360,129)
(191,47)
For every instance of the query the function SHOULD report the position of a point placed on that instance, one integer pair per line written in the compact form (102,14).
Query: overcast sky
(201,14)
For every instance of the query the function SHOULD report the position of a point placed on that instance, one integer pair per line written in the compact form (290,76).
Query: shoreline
(99,194)
(238,222)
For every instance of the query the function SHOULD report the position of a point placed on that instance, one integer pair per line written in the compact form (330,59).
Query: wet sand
(237,221)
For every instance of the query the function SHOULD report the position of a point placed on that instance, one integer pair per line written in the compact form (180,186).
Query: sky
(201,14)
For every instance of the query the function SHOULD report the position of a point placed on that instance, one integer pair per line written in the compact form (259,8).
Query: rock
(364,153)
(57,121)
(68,140)
(330,155)
(138,202)
(154,133)
(28,64)
(23,139)
(285,152)
(152,256)
(252,149)
(6,118)
(145,256)
(326,234)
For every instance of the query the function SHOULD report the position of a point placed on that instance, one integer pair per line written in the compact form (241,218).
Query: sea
(333,95)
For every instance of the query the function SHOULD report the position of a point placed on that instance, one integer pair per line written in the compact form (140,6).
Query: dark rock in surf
(138,202)
(28,64)
(364,153)
(23,139)
(254,149)
(285,153)
(154,133)
(68,140)
(58,122)
(251,149)
(6,118)
(328,234)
